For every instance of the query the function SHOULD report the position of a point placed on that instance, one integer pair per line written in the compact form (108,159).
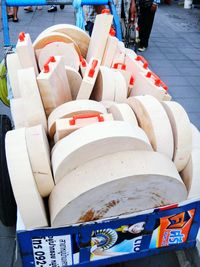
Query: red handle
(141,58)
(132,80)
(112,31)
(105,11)
(21,36)
(93,67)
(158,81)
(116,65)
(46,65)
(85,116)
(83,61)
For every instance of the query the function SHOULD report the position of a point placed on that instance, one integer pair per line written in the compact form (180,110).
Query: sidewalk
(173,53)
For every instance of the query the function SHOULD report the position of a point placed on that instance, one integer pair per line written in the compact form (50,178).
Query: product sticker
(52,251)
(172,229)
(114,242)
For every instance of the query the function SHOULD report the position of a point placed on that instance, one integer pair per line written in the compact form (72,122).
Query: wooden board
(39,155)
(133,181)
(13,65)
(28,199)
(18,113)
(119,56)
(74,79)
(99,36)
(104,88)
(123,112)
(71,108)
(182,133)
(110,50)
(66,126)
(34,111)
(47,38)
(89,79)
(67,51)
(53,85)
(153,119)
(94,141)
(75,33)
(25,52)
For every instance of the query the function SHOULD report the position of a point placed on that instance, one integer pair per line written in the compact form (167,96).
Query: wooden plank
(67,51)
(153,119)
(110,51)
(94,141)
(71,108)
(25,52)
(34,110)
(122,183)
(39,155)
(53,84)
(182,133)
(29,201)
(99,36)
(18,113)
(119,57)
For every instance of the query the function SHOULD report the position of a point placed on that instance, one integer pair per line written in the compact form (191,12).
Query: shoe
(62,6)
(52,9)
(142,49)
(15,19)
(10,16)
(28,9)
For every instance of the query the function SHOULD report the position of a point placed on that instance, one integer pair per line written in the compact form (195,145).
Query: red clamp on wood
(85,116)
(92,69)
(82,61)
(21,36)
(105,11)
(112,32)
(132,80)
(158,81)
(141,58)
(116,65)
(46,65)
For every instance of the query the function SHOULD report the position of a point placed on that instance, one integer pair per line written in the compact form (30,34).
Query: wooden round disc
(153,119)
(94,141)
(78,35)
(47,38)
(104,88)
(123,112)
(121,89)
(18,112)
(71,108)
(67,51)
(187,173)
(39,155)
(182,133)
(74,79)
(29,201)
(122,183)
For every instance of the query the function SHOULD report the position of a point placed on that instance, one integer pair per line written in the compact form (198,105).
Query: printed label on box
(52,251)
(172,229)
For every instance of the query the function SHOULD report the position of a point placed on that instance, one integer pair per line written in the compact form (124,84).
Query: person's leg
(145,25)
(9,12)
(15,11)
(52,8)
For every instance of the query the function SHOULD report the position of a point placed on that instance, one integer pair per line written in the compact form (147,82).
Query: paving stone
(184,92)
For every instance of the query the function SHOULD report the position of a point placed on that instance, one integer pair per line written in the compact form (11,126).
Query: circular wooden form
(18,112)
(71,108)
(182,133)
(39,155)
(79,36)
(121,89)
(67,51)
(153,119)
(94,141)
(122,183)
(47,38)
(29,201)
(123,112)
(74,79)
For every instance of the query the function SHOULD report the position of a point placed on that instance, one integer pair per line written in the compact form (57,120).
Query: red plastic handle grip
(158,81)
(85,116)
(46,65)
(132,80)
(116,65)
(105,11)
(112,32)
(83,61)
(145,62)
(21,36)
(93,67)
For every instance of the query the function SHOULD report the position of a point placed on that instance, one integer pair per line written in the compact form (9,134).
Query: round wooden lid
(122,183)
(74,79)
(94,141)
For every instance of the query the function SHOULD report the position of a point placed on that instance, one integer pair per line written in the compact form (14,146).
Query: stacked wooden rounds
(153,119)
(94,141)
(74,79)
(122,183)
(29,201)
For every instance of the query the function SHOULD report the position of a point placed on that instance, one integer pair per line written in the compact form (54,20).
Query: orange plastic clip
(46,65)
(21,36)
(85,116)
